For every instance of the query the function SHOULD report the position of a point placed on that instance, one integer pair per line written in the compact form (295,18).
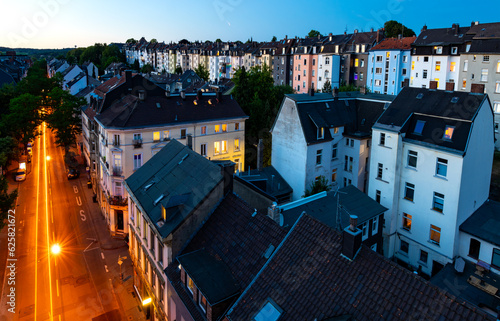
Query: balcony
(117,171)
(118,201)
(137,143)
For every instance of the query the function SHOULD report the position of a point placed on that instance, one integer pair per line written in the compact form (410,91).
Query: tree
(6,200)
(135,65)
(111,54)
(153,40)
(131,41)
(313,34)
(64,117)
(23,117)
(218,40)
(319,185)
(202,72)
(327,87)
(8,150)
(274,39)
(147,68)
(392,29)
(178,70)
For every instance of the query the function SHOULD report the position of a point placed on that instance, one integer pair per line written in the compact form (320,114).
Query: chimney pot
(353,222)
(477,88)
(433,84)
(351,239)
(183,95)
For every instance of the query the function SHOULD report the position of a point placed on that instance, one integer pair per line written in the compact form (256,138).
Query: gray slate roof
(210,275)
(436,108)
(182,176)
(484,223)
(352,201)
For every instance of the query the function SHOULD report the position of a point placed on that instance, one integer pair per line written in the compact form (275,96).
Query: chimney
(273,212)
(311,91)
(128,79)
(260,155)
(405,83)
(472,24)
(355,30)
(450,86)
(433,84)
(400,36)
(477,88)
(371,29)
(345,33)
(142,95)
(351,239)
(335,92)
(183,95)
(424,28)
(227,171)
(167,92)
(199,94)
(189,141)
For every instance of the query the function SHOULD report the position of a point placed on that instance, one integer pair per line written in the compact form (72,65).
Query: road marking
(106,267)
(82,215)
(53,236)
(75,189)
(86,249)
(57,284)
(36,227)
(102,255)
(78,201)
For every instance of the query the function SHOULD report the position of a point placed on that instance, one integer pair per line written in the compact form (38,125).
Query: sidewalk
(113,248)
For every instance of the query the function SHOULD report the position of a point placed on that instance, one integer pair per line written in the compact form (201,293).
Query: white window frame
(375,225)
(412,155)
(319,157)
(438,199)
(441,163)
(484,75)
(436,229)
(407,218)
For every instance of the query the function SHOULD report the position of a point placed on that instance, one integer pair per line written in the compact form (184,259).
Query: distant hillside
(37,53)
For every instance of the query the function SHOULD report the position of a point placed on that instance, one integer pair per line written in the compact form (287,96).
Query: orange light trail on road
(36,221)
(51,314)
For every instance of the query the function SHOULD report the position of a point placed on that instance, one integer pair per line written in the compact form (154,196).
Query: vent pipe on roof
(142,95)
(273,212)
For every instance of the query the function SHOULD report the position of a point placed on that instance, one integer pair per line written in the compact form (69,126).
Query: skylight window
(448,132)
(419,126)
(148,186)
(158,199)
(269,312)
(454,100)
(420,96)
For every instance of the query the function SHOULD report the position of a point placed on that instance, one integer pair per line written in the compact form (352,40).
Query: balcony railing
(118,201)
(137,143)
(116,143)
(117,171)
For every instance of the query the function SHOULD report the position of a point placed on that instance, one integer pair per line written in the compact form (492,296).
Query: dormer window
(321,132)
(189,284)
(269,312)
(164,213)
(202,301)
(419,126)
(448,132)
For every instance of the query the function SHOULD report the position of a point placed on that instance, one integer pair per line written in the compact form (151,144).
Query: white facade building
(430,165)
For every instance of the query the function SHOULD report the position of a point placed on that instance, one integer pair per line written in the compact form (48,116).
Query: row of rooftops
(477,34)
(244,258)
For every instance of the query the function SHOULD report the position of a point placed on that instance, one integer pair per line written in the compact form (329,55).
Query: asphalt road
(51,209)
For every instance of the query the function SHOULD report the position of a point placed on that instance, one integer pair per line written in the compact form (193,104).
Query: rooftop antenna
(339,207)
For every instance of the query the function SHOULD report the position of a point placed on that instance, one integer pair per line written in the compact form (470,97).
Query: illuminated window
(484,75)
(387,54)
(438,202)
(435,234)
(413,65)
(356,62)
(497,87)
(498,66)
(202,301)
(437,81)
(439,50)
(336,130)
(224,128)
(203,130)
(334,175)
(321,133)
(378,82)
(217,128)
(355,76)
(237,144)
(438,65)
(464,83)
(156,136)
(452,66)
(189,284)
(224,146)
(496,106)
(216,148)
(448,132)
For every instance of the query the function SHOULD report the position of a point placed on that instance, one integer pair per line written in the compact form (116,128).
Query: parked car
(30,151)
(73,173)
(20,175)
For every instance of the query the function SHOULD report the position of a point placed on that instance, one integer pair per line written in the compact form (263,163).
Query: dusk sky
(70,23)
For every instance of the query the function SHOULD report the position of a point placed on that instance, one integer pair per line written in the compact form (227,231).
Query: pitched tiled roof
(237,238)
(309,279)
(395,43)
(443,36)
(437,109)
(484,223)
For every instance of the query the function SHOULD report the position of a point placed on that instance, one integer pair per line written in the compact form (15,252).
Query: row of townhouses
(454,58)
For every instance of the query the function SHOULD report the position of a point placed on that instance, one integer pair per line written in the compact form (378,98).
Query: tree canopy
(147,68)
(392,29)
(202,72)
(319,185)
(313,33)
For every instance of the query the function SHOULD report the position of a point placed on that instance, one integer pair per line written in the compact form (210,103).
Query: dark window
(419,126)
(423,256)
(474,248)
(409,191)
(404,247)
(495,260)
(377,196)
(380,170)
(412,159)
(382,139)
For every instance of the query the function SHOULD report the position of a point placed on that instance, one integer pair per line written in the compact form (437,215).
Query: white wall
(289,149)
(485,251)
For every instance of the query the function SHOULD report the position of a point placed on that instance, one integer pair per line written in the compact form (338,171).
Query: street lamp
(55,249)
(48,158)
